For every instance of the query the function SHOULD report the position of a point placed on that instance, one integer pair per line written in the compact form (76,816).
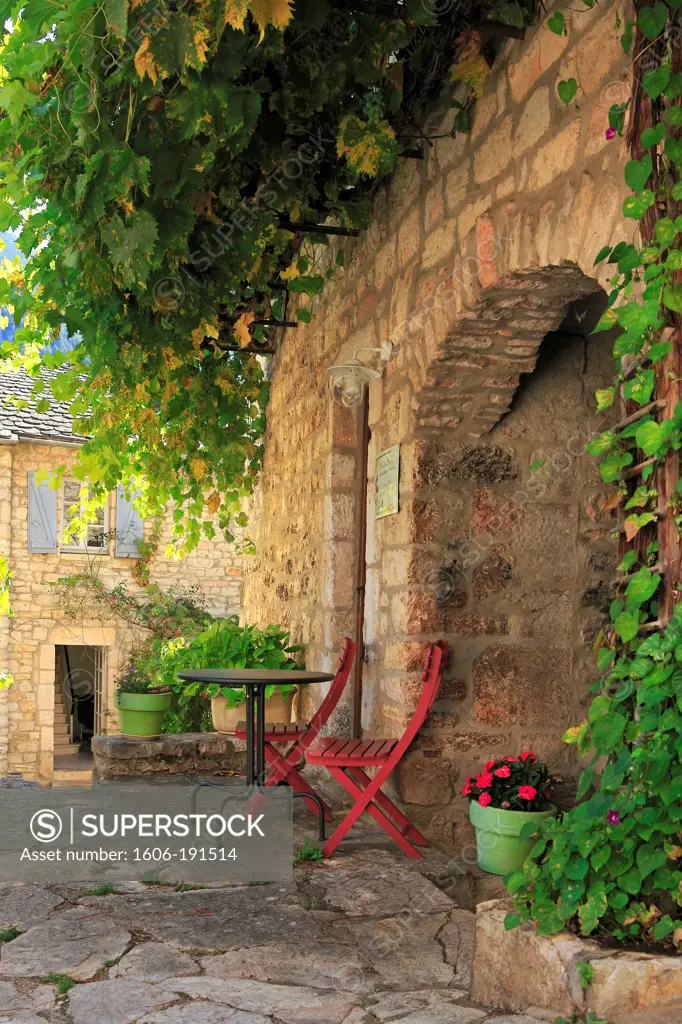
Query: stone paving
(366,938)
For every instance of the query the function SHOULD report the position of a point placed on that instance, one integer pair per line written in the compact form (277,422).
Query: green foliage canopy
(150,152)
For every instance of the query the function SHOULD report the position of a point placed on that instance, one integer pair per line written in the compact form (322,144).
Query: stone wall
(202,753)
(475,258)
(39,623)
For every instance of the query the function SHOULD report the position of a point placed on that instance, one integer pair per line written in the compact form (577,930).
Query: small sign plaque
(386,482)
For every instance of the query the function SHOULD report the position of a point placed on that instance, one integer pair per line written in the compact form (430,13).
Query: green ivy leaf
(591,911)
(635,207)
(628,560)
(652,20)
(605,398)
(602,254)
(649,437)
(652,136)
(611,466)
(672,297)
(637,173)
(511,921)
(655,81)
(640,387)
(657,351)
(627,36)
(666,926)
(665,232)
(673,150)
(557,24)
(674,115)
(626,626)
(567,89)
(630,881)
(642,586)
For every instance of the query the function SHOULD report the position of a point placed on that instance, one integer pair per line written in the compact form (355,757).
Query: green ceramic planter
(140,715)
(498,847)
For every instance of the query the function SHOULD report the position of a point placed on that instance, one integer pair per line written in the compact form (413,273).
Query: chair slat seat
(332,750)
(275,732)
(345,759)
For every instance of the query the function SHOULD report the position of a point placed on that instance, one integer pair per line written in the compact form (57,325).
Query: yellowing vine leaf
(242,333)
(144,61)
(199,468)
(213,503)
(368,146)
(471,66)
(235,13)
(271,12)
(290,273)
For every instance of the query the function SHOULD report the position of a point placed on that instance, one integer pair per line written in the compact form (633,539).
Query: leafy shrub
(513,783)
(613,863)
(225,644)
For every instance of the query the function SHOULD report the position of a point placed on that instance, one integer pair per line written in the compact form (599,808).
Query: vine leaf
(634,523)
(649,437)
(652,20)
(567,89)
(643,584)
(242,333)
(652,136)
(557,24)
(235,13)
(672,297)
(635,207)
(638,172)
(117,17)
(144,61)
(655,80)
(271,12)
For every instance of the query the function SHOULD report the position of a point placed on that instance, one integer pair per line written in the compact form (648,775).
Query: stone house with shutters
(64,668)
(478,268)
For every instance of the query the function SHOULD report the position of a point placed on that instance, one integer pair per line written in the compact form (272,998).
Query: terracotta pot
(225,720)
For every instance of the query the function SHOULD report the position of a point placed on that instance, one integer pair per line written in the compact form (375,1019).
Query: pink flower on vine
(610,133)
(613,818)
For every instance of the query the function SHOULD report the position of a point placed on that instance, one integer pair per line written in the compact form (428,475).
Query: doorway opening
(79,703)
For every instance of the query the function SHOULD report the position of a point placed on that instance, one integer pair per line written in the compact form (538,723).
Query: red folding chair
(303,735)
(346,758)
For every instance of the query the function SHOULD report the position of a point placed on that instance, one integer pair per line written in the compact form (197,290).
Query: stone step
(66,749)
(78,777)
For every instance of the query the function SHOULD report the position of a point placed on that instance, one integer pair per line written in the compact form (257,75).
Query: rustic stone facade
(475,258)
(28,639)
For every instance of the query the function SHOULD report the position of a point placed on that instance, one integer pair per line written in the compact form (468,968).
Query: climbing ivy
(614,862)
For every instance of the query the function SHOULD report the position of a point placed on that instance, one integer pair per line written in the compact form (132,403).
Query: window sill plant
(226,644)
(509,793)
(141,706)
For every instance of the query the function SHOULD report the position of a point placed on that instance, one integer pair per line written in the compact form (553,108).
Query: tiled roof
(23,424)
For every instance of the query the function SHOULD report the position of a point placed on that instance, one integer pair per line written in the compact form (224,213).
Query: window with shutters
(95,538)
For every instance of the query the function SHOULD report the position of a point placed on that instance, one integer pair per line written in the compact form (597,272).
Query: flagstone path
(365,938)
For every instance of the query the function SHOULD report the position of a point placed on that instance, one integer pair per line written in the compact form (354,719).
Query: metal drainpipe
(361,570)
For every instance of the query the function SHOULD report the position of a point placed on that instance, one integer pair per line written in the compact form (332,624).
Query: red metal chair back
(319,719)
(432,676)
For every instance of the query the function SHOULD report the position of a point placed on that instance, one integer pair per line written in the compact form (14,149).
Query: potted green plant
(508,793)
(141,705)
(226,644)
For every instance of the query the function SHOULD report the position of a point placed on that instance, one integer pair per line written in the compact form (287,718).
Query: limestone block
(495,152)
(556,157)
(544,50)
(516,969)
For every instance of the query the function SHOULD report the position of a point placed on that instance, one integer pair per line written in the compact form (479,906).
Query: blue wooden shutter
(129,525)
(42,516)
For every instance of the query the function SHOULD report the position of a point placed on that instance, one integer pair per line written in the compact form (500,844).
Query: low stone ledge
(116,757)
(517,969)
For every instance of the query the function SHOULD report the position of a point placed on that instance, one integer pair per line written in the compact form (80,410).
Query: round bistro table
(254,680)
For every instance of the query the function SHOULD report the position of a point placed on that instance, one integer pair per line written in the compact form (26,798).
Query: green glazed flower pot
(140,715)
(499,848)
